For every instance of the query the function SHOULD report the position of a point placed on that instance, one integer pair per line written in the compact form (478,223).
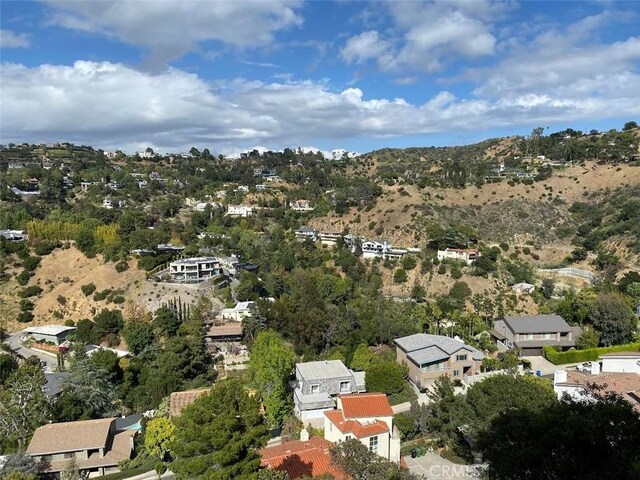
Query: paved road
(48,359)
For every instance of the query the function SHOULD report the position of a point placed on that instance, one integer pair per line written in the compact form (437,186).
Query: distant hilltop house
(148,153)
(240,311)
(330,238)
(381,249)
(301,206)
(97,446)
(368,418)
(14,235)
(317,384)
(531,333)
(523,288)
(55,334)
(466,255)
(240,211)
(307,233)
(110,204)
(241,189)
(201,206)
(194,270)
(431,356)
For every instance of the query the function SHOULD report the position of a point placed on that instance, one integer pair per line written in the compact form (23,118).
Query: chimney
(595,368)
(560,376)
(304,435)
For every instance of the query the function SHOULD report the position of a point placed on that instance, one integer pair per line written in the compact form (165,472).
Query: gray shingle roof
(537,324)
(323,369)
(424,347)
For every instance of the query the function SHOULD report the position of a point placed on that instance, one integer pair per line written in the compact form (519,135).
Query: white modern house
(195,269)
(367,417)
(301,206)
(238,312)
(306,233)
(381,249)
(465,255)
(240,211)
(523,288)
(55,334)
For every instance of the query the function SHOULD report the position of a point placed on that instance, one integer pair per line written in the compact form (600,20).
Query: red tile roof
(300,459)
(354,427)
(361,405)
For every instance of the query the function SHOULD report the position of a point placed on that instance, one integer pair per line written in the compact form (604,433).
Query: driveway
(49,361)
(433,467)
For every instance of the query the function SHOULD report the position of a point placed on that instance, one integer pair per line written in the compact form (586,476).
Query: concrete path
(433,467)
(48,359)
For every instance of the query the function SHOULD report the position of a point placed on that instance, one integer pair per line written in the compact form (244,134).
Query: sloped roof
(323,369)
(361,405)
(70,436)
(423,341)
(302,459)
(354,427)
(549,323)
(180,400)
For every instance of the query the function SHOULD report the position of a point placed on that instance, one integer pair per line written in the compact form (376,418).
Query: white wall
(621,365)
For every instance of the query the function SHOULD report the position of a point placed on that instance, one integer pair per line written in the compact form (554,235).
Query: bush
(442,269)
(25,317)
(62,300)
(31,263)
(101,295)
(118,299)
(576,356)
(409,263)
(32,291)
(456,272)
(504,246)
(26,305)
(23,277)
(122,266)
(526,251)
(88,289)
(45,247)
(400,276)
(69,323)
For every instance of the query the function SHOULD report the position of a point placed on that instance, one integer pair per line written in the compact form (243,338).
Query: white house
(367,417)
(195,269)
(467,256)
(241,189)
(329,238)
(237,313)
(240,211)
(381,249)
(301,206)
(107,203)
(622,362)
(201,206)
(523,287)
(56,334)
(306,233)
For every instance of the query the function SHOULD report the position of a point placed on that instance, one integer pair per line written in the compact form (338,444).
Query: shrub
(575,356)
(69,323)
(62,300)
(31,263)
(118,299)
(526,251)
(456,272)
(23,277)
(442,269)
(26,305)
(504,246)
(400,276)
(409,263)
(101,295)
(122,266)
(88,289)
(32,291)
(45,247)
(25,317)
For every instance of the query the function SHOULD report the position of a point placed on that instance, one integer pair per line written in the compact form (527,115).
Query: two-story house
(467,256)
(195,269)
(367,417)
(431,356)
(317,384)
(96,445)
(532,332)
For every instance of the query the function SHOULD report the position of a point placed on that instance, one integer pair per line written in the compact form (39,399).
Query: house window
(345,387)
(456,373)
(315,389)
(347,437)
(546,336)
(373,444)
(528,336)
(461,358)
(69,455)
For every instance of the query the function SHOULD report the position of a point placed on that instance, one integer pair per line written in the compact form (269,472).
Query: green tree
(217,437)
(8,365)
(385,376)
(108,322)
(271,363)
(630,125)
(166,321)
(548,286)
(71,471)
(355,459)
(23,404)
(86,331)
(138,336)
(566,440)
(589,338)
(362,358)
(158,435)
(108,362)
(613,318)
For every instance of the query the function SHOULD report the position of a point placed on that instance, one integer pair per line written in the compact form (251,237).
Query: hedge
(575,356)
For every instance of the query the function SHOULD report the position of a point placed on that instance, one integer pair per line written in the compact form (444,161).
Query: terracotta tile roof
(300,459)
(361,405)
(179,400)
(70,436)
(354,427)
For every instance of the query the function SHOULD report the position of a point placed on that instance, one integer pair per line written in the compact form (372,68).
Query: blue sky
(231,76)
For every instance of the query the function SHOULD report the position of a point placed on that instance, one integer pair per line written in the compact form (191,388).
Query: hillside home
(523,288)
(301,206)
(306,233)
(96,445)
(465,255)
(381,249)
(241,189)
(317,384)
(532,332)
(194,270)
(238,312)
(367,417)
(179,400)
(55,334)
(14,235)
(431,356)
(225,336)
(240,211)
(622,377)
(329,238)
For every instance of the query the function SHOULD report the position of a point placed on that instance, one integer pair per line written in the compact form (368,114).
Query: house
(107,203)
(317,384)
(431,356)
(306,233)
(262,188)
(55,334)
(367,417)
(381,249)
(240,211)
(622,378)
(169,248)
(14,235)
(532,332)
(201,206)
(180,400)
(225,333)
(241,189)
(55,380)
(638,310)
(330,238)
(465,255)
(301,206)
(195,269)
(523,288)
(96,445)
(304,458)
(238,312)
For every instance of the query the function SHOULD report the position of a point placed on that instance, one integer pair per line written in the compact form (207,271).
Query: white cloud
(114,106)
(11,39)
(170,29)
(365,46)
